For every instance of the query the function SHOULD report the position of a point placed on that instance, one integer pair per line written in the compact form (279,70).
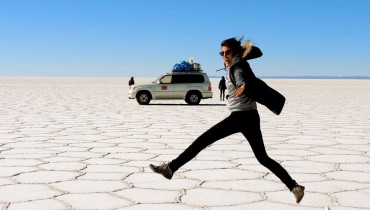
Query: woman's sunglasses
(227,52)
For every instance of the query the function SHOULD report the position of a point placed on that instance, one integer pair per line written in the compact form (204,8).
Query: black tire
(143,98)
(193,98)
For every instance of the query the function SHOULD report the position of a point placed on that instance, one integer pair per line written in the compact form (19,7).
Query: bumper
(131,94)
(207,95)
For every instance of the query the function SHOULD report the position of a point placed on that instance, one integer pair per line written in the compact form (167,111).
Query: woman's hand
(240,90)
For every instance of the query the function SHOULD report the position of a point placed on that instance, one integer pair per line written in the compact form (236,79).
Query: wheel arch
(194,91)
(144,91)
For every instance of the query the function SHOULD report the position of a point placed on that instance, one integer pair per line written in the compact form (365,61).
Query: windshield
(155,81)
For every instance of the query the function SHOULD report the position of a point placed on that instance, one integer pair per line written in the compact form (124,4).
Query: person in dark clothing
(244,118)
(131,81)
(222,87)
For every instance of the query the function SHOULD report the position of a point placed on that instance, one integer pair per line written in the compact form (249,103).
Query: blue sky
(144,38)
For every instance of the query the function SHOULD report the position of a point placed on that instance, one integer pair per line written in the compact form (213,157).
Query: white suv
(191,86)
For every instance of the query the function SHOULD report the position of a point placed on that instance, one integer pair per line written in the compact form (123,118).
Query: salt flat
(80,143)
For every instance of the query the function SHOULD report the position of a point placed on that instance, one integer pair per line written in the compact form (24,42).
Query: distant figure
(222,87)
(131,82)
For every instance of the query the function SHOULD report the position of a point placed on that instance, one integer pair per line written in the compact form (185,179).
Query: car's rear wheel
(193,98)
(143,98)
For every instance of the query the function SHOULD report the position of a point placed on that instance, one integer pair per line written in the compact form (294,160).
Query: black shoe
(163,169)
(298,192)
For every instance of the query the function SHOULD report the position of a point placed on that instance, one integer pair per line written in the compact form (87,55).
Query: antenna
(221,69)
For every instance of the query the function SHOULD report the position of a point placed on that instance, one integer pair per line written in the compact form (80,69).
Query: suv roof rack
(187,67)
(188,71)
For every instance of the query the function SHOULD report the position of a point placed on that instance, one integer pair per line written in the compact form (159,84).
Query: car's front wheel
(193,98)
(143,98)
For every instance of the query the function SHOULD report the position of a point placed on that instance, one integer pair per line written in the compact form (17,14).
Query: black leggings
(222,94)
(246,122)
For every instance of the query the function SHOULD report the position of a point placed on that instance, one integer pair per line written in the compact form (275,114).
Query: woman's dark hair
(233,44)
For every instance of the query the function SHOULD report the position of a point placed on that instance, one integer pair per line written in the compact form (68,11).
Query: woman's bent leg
(254,136)
(218,131)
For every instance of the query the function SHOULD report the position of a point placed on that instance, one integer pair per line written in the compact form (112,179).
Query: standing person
(131,81)
(222,87)
(244,118)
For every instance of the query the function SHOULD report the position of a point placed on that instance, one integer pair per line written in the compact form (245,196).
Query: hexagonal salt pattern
(68,143)
(39,204)
(94,201)
(26,192)
(216,197)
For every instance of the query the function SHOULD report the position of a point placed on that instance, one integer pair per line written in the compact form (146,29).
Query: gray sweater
(241,103)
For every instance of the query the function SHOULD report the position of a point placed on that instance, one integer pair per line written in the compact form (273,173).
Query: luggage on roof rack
(185,66)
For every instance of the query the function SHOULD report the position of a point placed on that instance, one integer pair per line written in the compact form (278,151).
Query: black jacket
(256,89)
(222,84)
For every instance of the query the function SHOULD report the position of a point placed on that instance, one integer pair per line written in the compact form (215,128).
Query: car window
(187,78)
(166,79)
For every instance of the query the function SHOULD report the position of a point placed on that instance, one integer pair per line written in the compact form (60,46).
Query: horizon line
(211,76)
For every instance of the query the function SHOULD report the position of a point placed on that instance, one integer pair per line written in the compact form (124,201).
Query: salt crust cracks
(81,144)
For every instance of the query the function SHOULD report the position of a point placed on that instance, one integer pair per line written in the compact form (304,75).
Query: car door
(164,88)
(179,86)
